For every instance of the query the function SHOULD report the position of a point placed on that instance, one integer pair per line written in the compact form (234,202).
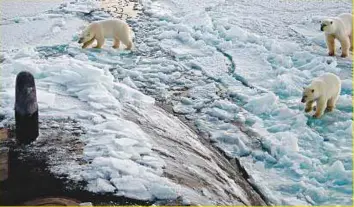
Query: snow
(122,146)
(20,8)
(272,61)
(86,204)
(263,104)
(234,70)
(118,150)
(100,185)
(45,31)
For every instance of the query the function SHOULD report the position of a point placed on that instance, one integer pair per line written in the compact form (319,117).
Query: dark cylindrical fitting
(26,108)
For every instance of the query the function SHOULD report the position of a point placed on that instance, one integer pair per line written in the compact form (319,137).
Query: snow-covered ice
(258,61)
(233,69)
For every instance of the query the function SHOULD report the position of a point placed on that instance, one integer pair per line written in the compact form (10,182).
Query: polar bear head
(309,94)
(86,35)
(328,26)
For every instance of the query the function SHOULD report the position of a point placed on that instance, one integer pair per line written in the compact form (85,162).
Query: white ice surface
(296,160)
(275,51)
(119,152)
(23,8)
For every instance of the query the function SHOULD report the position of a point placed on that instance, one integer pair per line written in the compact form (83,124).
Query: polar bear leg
(88,43)
(116,43)
(129,45)
(331,103)
(308,107)
(320,107)
(126,39)
(127,42)
(330,44)
(100,39)
(100,43)
(351,42)
(345,44)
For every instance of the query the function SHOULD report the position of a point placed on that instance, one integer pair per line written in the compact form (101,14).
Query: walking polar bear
(339,28)
(111,28)
(323,90)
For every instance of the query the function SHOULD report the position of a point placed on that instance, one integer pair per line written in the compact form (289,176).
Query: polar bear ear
(313,90)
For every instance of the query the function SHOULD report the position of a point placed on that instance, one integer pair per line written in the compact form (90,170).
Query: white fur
(111,28)
(323,90)
(339,28)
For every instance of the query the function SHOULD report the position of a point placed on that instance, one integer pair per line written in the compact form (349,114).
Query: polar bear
(323,90)
(338,28)
(111,28)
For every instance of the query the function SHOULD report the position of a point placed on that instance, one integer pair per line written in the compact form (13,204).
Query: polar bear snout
(303,100)
(324,24)
(81,40)
(327,25)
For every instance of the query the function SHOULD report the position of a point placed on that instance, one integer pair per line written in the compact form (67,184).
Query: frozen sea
(234,70)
